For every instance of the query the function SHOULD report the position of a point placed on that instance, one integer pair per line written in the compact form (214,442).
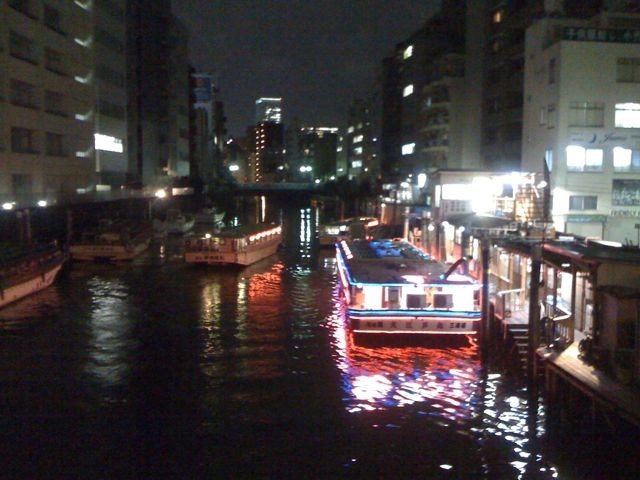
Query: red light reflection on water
(385,372)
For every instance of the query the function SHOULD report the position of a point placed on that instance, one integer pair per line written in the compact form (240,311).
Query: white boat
(175,223)
(349,228)
(112,241)
(242,245)
(27,269)
(392,287)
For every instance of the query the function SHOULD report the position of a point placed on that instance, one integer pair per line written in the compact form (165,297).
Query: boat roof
(394,261)
(244,230)
(350,220)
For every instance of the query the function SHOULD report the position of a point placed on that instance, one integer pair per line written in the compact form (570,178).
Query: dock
(600,388)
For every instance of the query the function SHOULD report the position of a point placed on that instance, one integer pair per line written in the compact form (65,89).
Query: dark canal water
(158,369)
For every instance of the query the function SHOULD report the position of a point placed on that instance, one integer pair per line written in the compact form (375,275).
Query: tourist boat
(390,286)
(349,228)
(175,223)
(242,245)
(112,240)
(27,269)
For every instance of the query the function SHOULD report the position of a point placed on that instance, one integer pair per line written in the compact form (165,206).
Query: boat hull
(32,285)
(413,321)
(108,252)
(232,258)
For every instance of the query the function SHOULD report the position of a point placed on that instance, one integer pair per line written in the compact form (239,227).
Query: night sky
(316,54)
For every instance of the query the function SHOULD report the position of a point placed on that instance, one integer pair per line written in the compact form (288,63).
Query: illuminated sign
(107,143)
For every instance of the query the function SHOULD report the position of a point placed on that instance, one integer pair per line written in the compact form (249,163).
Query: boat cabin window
(394,295)
(442,300)
(416,301)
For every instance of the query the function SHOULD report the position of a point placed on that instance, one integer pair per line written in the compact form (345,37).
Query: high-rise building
(269,110)
(158,92)
(108,78)
(268,155)
(47,101)
(316,153)
(361,141)
(210,128)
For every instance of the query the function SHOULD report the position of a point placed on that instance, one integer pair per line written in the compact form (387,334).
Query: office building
(47,101)
(269,110)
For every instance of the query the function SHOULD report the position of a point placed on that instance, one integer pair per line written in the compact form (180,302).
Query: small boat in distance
(27,269)
(349,228)
(175,223)
(390,286)
(242,245)
(112,240)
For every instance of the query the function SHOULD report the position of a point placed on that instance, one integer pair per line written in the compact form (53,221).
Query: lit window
(621,158)
(548,158)
(575,158)
(357,150)
(350,129)
(358,138)
(356,164)
(407,52)
(593,159)
(408,90)
(408,148)
(580,159)
(627,115)
(497,16)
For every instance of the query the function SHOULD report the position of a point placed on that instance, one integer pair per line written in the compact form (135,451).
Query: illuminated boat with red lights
(390,286)
(241,245)
(349,228)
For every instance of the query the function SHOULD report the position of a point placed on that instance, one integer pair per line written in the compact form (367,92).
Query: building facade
(158,81)
(582,122)
(269,109)
(47,101)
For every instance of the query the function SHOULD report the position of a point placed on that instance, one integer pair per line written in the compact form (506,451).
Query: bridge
(279,188)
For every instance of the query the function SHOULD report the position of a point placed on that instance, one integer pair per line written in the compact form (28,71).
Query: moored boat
(27,269)
(242,245)
(175,223)
(112,241)
(349,228)
(390,286)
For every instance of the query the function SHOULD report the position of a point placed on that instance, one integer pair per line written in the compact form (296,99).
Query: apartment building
(582,122)
(46,101)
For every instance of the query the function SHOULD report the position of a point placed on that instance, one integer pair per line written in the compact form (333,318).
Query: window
(625,159)
(357,150)
(580,159)
(628,70)
(350,129)
(548,159)
(551,116)
(54,103)
(583,202)
(358,138)
(497,16)
(54,144)
(543,116)
(23,6)
(408,148)
(552,71)
(356,164)
(586,114)
(23,140)
(627,115)
(407,52)
(53,61)
(52,18)
(408,90)
(23,94)
(22,47)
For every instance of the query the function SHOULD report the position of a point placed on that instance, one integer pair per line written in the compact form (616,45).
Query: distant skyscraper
(269,110)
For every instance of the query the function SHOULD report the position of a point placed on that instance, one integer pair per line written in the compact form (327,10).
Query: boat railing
(510,301)
(557,325)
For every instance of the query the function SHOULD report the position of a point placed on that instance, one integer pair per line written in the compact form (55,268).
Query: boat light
(7,206)
(207,235)
(160,193)
(372,223)
(42,203)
